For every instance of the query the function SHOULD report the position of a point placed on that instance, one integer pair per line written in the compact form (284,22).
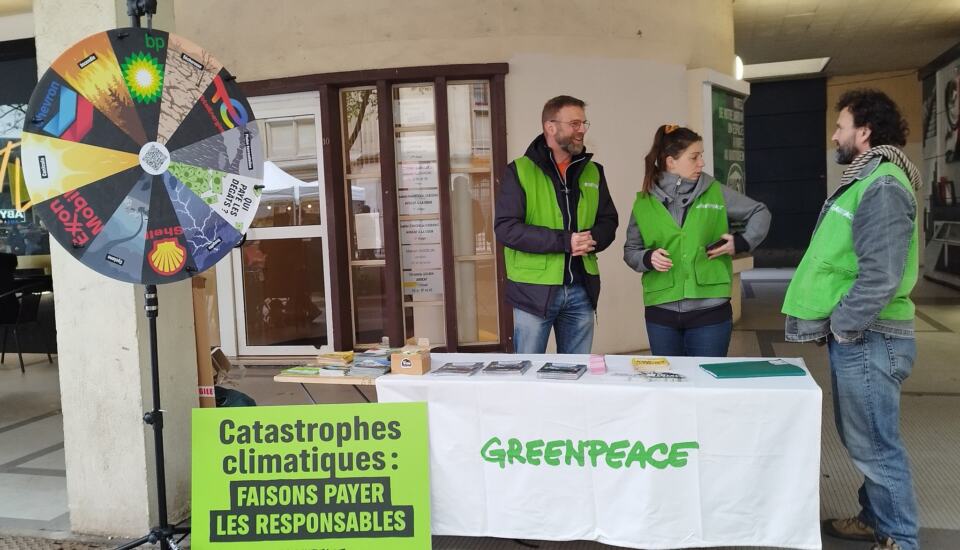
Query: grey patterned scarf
(889,153)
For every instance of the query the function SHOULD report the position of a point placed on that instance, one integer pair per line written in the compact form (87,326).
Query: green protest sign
(728,145)
(344,477)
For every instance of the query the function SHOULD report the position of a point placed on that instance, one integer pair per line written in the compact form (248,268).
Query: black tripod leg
(135,543)
(163,533)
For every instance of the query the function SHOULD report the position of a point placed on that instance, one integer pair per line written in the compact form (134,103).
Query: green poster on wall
(350,477)
(729,165)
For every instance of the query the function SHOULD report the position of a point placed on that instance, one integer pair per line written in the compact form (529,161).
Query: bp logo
(144,77)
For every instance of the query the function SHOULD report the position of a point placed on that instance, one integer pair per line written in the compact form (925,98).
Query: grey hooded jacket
(677,194)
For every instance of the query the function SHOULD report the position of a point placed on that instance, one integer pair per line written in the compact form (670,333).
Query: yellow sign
(17,188)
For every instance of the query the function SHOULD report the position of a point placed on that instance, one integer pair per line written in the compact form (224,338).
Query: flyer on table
(351,477)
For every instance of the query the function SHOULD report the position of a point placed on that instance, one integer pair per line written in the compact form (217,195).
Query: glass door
(471,205)
(364,194)
(281,286)
(418,206)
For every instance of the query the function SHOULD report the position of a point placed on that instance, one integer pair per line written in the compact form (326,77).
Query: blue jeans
(705,341)
(866,376)
(569,312)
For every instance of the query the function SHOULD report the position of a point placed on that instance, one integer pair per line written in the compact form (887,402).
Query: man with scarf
(852,292)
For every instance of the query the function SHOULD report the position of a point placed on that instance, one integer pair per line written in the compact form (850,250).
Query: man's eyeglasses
(575,124)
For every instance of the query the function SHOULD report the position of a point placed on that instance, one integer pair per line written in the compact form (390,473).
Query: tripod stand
(164,532)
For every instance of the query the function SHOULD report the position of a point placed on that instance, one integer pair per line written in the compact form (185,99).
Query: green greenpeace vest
(693,274)
(829,268)
(546,268)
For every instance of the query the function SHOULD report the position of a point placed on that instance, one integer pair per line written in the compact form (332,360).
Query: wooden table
(303,380)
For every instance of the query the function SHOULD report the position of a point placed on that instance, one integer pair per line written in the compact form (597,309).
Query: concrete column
(104,353)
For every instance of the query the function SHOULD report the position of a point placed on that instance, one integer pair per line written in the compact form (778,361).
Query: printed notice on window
(417,257)
(420,232)
(350,477)
(417,146)
(415,175)
(412,202)
(423,284)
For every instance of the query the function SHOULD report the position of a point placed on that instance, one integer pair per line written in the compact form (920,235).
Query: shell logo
(167,256)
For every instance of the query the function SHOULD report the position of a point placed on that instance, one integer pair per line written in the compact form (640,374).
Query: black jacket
(511,230)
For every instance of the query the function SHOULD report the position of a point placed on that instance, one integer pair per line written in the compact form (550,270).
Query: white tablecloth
(754,480)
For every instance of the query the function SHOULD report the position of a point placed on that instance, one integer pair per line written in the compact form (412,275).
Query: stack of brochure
(380,355)
(660,376)
(310,370)
(514,368)
(335,358)
(562,371)
(598,365)
(368,367)
(458,369)
(372,362)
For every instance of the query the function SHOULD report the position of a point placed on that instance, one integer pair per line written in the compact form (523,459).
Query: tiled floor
(31,441)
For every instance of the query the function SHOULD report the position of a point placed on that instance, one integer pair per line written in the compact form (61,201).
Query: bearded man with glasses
(553,215)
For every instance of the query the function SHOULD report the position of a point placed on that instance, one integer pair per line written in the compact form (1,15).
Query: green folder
(752,369)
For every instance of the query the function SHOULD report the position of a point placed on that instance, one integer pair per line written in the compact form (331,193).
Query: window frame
(329,87)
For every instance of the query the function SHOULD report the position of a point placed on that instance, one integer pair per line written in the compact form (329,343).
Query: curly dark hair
(874,109)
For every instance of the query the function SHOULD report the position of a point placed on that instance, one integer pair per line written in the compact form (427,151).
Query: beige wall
(619,137)
(296,37)
(902,87)
(626,58)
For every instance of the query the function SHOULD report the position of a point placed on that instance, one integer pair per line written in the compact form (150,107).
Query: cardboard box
(414,358)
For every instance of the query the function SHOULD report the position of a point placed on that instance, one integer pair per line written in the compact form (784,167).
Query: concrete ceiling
(860,36)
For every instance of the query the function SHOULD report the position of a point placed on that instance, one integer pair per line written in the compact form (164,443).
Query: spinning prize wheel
(141,156)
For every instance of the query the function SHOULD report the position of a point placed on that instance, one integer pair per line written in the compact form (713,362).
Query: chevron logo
(75,118)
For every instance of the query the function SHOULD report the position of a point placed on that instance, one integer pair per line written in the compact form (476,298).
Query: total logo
(232,112)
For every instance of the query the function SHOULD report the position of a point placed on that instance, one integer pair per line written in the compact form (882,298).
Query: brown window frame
(329,85)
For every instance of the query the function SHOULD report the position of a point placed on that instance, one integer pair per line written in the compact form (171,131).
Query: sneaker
(886,545)
(849,529)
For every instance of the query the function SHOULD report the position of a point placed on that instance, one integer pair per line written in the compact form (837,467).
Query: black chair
(9,303)
(27,315)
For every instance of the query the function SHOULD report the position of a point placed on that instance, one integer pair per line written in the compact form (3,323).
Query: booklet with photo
(458,369)
(361,368)
(507,367)
(562,371)
(362,361)
(301,370)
